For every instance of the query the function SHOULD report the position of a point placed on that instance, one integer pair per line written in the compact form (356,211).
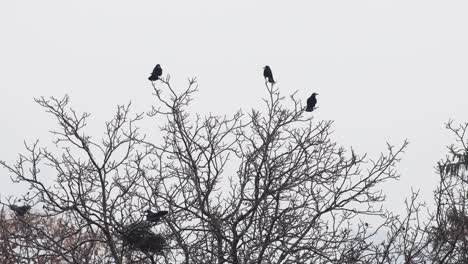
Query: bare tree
(35,239)
(438,232)
(95,189)
(267,186)
(450,231)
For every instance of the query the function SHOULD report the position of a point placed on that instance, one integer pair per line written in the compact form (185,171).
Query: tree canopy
(262,186)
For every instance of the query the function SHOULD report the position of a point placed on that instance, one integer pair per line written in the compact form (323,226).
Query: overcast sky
(384,70)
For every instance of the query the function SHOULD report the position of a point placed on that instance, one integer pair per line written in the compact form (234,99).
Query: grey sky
(384,70)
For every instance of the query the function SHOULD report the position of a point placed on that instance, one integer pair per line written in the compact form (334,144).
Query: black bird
(268,74)
(20,210)
(157,71)
(311,102)
(155,217)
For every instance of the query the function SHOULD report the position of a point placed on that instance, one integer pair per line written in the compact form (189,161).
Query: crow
(311,102)
(155,217)
(20,210)
(157,71)
(268,74)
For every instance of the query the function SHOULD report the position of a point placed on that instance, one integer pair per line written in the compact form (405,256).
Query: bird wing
(161,213)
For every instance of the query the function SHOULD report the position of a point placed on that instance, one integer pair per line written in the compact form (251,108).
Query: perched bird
(268,74)
(20,210)
(155,217)
(311,102)
(157,71)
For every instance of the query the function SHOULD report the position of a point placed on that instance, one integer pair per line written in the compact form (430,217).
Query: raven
(20,210)
(311,102)
(268,74)
(157,71)
(155,217)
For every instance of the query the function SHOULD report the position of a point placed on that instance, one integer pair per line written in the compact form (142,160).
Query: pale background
(384,70)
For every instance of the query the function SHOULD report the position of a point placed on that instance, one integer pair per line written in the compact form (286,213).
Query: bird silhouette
(311,102)
(20,210)
(157,71)
(268,74)
(155,217)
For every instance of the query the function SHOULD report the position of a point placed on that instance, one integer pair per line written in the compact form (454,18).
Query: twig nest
(140,237)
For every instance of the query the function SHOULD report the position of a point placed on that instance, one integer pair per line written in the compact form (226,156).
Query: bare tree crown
(264,186)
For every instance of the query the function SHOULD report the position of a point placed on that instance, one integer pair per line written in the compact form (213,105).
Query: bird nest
(138,236)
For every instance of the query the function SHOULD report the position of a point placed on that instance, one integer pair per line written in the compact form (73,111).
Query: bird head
(314,94)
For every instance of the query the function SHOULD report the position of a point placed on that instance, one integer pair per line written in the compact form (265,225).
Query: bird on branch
(20,210)
(268,74)
(155,217)
(311,102)
(157,71)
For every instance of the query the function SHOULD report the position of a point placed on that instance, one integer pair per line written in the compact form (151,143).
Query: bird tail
(153,78)
(309,109)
